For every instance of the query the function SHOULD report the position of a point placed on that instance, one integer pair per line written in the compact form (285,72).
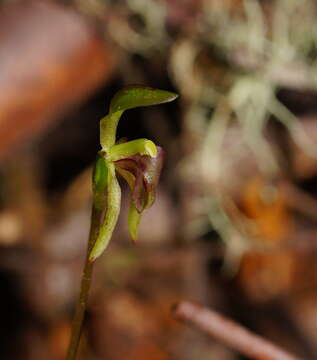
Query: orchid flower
(139,162)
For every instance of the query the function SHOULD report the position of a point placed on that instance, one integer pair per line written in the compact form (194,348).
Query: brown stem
(84,288)
(230,333)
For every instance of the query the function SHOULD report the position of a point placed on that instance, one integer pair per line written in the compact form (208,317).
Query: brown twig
(229,332)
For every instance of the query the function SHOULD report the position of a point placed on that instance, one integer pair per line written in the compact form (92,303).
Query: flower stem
(84,288)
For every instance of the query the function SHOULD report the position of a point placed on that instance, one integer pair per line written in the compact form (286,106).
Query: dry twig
(229,332)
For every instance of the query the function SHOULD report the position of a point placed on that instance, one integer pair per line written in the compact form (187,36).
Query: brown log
(50,59)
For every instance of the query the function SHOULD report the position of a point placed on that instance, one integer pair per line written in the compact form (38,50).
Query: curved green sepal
(137,95)
(99,177)
(130,148)
(99,181)
(134,218)
(111,215)
(128,98)
(108,128)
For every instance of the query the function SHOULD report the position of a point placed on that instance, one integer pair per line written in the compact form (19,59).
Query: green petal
(130,148)
(137,95)
(111,215)
(134,218)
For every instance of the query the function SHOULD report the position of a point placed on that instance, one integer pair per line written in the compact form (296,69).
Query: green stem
(84,289)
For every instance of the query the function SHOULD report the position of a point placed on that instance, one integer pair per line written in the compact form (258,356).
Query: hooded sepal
(137,95)
(126,149)
(130,97)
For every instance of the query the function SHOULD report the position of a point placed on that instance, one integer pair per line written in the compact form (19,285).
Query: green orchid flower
(139,162)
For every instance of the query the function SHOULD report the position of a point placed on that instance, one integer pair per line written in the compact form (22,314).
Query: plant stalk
(84,288)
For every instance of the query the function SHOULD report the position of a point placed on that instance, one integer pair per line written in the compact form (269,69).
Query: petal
(134,218)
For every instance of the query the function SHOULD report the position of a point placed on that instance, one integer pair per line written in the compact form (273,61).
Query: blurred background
(235,222)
